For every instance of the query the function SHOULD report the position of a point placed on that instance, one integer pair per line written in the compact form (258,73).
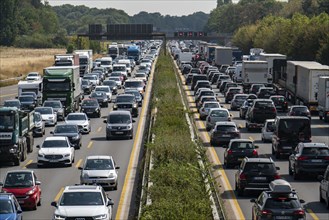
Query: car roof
(314,145)
(76,113)
(98,157)
(79,188)
(241,140)
(120,112)
(219,109)
(6,196)
(225,123)
(20,171)
(259,159)
(55,138)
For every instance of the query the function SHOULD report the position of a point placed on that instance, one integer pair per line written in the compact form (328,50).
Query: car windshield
(99,164)
(109,83)
(242,145)
(6,207)
(119,119)
(219,113)
(89,103)
(263,104)
(102,89)
(294,127)
(119,68)
(52,104)
(81,199)
(227,128)
(139,75)
(84,82)
(267,168)
(54,143)
(44,111)
(207,93)
(282,203)
(98,95)
(133,83)
(26,98)
(211,105)
(278,99)
(300,109)
(316,151)
(32,74)
(241,97)
(19,179)
(66,129)
(115,78)
(11,103)
(105,62)
(124,98)
(90,77)
(76,117)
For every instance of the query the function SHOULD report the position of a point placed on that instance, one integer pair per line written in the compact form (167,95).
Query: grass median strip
(178,190)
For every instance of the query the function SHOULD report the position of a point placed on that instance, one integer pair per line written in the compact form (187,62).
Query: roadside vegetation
(178,190)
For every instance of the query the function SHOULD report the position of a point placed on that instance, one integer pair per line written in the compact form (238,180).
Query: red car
(25,186)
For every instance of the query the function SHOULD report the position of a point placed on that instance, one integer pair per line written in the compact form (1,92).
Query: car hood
(77,122)
(55,150)
(17,191)
(47,116)
(27,103)
(92,210)
(11,216)
(98,173)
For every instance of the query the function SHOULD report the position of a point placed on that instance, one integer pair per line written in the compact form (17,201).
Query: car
(101,98)
(80,119)
(265,92)
(25,186)
(324,187)
(92,78)
(137,84)
(238,100)
(244,108)
(215,115)
(33,76)
(98,78)
(71,132)
(203,92)
(119,124)
(118,81)
(299,110)
(255,174)
(113,86)
(100,170)
(196,78)
(141,76)
(222,78)
(91,107)
(260,110)
(137,94)
(28,102)
(126,102)
(56,150)
(86,86)
(267,130)
(12,103)
(255,87)
(201,84)
(280,102)
(231,92)
(229,85)
(48,115)
(215,77)
(105,89)
(288,132)
(308,158)
(279,202)
(57,106)
(237,150)
(189,77)
(205,99)
(223,85)
(9,207)
(205,108)
(223,132)
(39,125)
(83,202)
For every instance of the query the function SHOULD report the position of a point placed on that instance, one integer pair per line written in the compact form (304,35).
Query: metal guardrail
(11,79)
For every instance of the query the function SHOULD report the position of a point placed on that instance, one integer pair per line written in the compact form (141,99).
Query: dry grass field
(15,62)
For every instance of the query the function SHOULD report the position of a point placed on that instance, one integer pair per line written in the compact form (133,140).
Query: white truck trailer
(31,86)
(302,82)
(85,60)
(223,56)
(323,98)
(254,71)
(275,61)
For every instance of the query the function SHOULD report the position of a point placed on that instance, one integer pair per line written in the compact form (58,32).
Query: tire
(39,203)
(320,117)
(239,191)
(320,197)
(208,128)
(17,162)
(116,187)
(290,170)
(108,137)
(327,202)
(296,174)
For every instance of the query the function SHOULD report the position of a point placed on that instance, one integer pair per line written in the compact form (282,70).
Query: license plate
(259,178)
(286,148)
(226,135)
(119,132)
(21,201)
(316,161)
(282,217)
(53,161)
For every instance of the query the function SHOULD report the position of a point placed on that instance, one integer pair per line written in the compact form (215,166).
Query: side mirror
(302,201)
(51,132)
(19,211)
(105,121)
(320,178)
(110,202)
(37,183)
(277,168)
(1,183)
(253,200)
(117,168)
(80,168)
(53,204)
(134,121)
(256,146)
(38,146)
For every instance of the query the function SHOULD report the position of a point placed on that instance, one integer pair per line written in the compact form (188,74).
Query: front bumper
(45,161)
(26,201)
(103,181)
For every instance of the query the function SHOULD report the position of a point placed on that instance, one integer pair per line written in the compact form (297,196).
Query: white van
(106,62)
(128,65)
(122,68)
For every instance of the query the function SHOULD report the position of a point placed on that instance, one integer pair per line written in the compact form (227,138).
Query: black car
(137,94)
(289,131)
(126,102)
(71,132)
(28,103)
(91,107)
(196,78)
(113,86)
(257,114)
(101,97)
(265,92)
(309,158)
(237,150)
(201,84)
(231,92)
(223,85)
(280,102)
(255,174)
(280,202)
(86,86)
(202,93)
(244,108)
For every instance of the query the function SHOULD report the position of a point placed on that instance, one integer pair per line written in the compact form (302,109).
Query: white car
(56,150)
(267,130)
(48,115)
(105,89)
(80,119)
(83,202)
(33,76)
(141,76)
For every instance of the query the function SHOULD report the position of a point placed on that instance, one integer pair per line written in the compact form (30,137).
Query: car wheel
(34,207)
(116,187)
(327,202)
(108,137)
(263,140)
(208,128)
(296,174)
(39,203)
(290,170)
(238,190)
(273,151)
(44,132)
(17,162)
(320,196)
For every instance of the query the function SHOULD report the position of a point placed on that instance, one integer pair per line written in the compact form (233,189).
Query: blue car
(9,207)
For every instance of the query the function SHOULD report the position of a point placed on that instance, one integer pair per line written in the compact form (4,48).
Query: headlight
(135,106)
(82,109)
(38,124)
(115,106)
(105,100)
(59,217)
(100,217)
(51,117)
(85,175)
(40,155)
(32,191)
(12,150)
(111,175)
(129,127)
(75,137)
(109,126)
(67,155)
(60,110)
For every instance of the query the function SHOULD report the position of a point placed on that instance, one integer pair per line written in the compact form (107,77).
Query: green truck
(16,134)
(63,83)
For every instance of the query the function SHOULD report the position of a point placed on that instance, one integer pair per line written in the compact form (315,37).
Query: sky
(132,7)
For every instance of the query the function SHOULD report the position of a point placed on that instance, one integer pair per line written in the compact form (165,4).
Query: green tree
(8,21)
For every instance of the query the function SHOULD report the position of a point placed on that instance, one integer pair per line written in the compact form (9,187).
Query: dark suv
(126,102)
(288,132)
(280,202)
(196,78)
(255,174)
(309,158)
(257,114)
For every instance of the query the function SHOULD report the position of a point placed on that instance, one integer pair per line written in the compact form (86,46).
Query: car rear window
(219,114)
(241,145)
(293,127)
(259,168)
(282,203)
(300,109)
(228,128)
(316,151)
(263,104)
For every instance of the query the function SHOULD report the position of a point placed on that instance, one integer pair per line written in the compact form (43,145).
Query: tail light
(229,152)
(301,158)
(266,212)
(255,153)
(299,212)
(243,176)
(273,109)
(326,158)
(277,176)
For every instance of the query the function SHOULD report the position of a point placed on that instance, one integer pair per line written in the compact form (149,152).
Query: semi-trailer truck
(254,71)
(223,56)
(323,98)
(85,61)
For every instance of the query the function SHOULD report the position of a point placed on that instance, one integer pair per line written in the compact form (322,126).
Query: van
(128,65)
(119,124)
(106,62)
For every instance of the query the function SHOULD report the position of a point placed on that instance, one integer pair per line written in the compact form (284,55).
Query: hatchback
(299,110)
(80,119)
(9,207)
(223,132)
(215,115)
(238,100)
(48,115)
(204,110)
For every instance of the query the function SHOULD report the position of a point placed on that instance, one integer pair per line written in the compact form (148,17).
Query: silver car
(215,115)
(80,119)
(267,130)
(101,170)
(206,106)
(238,100)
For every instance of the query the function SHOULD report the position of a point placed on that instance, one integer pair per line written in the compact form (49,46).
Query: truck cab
(106,62)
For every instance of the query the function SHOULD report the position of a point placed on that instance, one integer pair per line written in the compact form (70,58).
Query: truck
(185,56)
(122,49)
(323,98)
(275,62)
(31,86)
(223,56)
(66,60)
(210,52)
(85,61)
(16,134)
(135,53)
(302,82)
(113,51)
(254,71)
(63,83)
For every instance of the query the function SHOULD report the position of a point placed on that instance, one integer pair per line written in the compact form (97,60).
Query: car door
(259,204)
(324,185)
(293,157)
(37,185)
